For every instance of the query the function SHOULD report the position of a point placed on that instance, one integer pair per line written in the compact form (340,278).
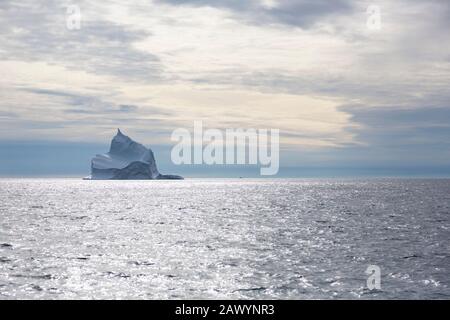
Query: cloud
(403,128)
(31,31)
(94,105)
(5,114)
(297,13)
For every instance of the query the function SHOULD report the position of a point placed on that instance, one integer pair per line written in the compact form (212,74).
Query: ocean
(224,239)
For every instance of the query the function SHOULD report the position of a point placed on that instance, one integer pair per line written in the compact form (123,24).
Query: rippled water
(288,239)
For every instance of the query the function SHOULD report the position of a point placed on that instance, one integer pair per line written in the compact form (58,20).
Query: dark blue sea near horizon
(224,239)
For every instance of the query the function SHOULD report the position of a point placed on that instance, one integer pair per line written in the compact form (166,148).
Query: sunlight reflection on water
(223,238)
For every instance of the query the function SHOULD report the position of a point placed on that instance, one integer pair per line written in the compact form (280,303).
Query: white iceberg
(126,160)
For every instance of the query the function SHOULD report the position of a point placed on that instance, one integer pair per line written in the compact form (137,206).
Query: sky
(348,99)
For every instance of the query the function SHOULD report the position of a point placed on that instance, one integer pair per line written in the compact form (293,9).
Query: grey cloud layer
(299,13)
(91,105)
(36,31)
(404,128)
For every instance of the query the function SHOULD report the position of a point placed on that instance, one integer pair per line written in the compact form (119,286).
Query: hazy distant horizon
(72,159)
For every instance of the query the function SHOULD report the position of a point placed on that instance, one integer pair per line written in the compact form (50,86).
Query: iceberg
(126,160)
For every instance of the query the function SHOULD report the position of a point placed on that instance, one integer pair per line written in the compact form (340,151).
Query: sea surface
(224,239)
